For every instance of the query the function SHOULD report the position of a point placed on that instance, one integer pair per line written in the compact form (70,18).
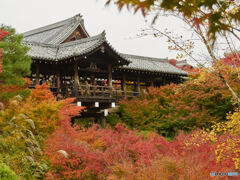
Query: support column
(37,74)
(152,83)
(76,78)
(138,85)
(123,85)
(58,81)
(103,121)
(164,80)
(109,75)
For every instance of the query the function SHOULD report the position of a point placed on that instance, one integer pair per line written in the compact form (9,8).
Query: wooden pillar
(123,85)
(109,75)
(37,74)
(76,78)
(152,83)
(138,85)
(58,81)
(103,121)
(164,80)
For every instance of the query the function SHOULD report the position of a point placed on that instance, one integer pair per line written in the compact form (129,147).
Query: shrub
(25,124)
(120,153)
(6,173)
(197,103)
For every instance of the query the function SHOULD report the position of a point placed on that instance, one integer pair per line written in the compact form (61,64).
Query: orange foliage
(41,93)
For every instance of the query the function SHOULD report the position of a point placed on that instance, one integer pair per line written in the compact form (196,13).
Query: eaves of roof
(156,65)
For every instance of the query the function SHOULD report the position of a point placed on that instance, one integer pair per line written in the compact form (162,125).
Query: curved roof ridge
(147,58)
(77,18)
(100,37)
(47,27)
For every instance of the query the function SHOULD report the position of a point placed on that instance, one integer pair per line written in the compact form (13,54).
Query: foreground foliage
(25,124)
(6,173)
(119,153)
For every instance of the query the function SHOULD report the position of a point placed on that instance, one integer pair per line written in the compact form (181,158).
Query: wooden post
(109,75)
(58,81)
(164,80)
(123,85)
(37,74)
(76,78)
(103,121)
(138,85)
(152,83)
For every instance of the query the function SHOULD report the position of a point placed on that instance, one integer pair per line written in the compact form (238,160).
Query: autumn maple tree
(231,59)
(211,22)
(220,15)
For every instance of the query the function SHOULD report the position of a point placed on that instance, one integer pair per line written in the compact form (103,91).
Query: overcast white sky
(121,27)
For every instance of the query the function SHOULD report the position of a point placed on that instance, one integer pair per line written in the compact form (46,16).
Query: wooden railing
(90,91)
(104,92)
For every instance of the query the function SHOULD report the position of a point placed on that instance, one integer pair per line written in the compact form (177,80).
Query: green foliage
(6,173)
(113,119)
(84,122)
(15,62)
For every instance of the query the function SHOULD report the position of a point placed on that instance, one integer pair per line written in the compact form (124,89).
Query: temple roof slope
(151,64)
(41,50)
(70,49)
(55,33)
(182,63)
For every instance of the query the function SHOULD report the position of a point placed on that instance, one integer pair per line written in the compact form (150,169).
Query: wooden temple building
(75,64)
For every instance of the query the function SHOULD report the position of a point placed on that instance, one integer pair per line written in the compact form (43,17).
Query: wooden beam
(37,74)
(109,75)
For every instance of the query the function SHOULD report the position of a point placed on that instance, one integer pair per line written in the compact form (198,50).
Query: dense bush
(197,103)
(120,153)
(25,124)
(6,173)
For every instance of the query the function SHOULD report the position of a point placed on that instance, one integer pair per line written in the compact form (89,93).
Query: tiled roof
(182,63)
(69,49)
(45,44)
(55,33)
(41,50)
(80,47)
(151,64)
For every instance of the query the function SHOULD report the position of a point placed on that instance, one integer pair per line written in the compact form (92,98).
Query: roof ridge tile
(146,58)
(49,27)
